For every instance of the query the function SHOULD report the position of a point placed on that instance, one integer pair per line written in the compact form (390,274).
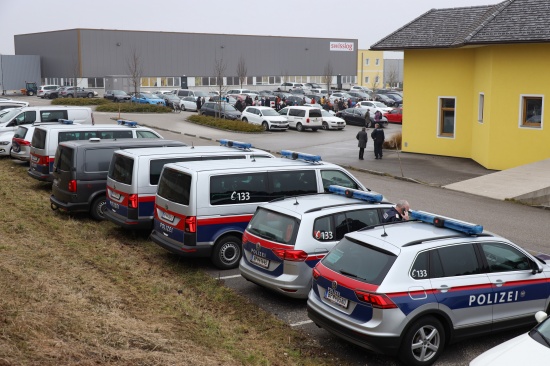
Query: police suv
(410,288)
(286,238)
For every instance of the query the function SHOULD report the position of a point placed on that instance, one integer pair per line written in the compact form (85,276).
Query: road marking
(301,323)
(228,277)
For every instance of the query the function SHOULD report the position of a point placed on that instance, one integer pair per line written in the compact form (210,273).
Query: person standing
(199,103)
(362,137)
(398,213)
(378,138)
(368,121)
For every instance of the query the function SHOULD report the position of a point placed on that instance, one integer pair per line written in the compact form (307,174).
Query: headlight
(5,142)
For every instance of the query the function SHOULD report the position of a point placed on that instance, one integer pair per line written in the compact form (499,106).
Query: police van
(134,175)
(29,115)
(286,238)
(47,137)
(202,208)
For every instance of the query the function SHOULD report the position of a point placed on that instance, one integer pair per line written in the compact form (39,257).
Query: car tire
(423,342)
(30,93)
(227,252)
(325,126)
(183,108)
(97,211)
(314,129)
(299,127)
(265,126)
(69,95)
(245,119)
(90,95)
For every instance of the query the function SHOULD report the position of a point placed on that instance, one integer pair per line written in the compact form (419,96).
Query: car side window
(420,269)
(283,111)
(503,258)
(146,135)
(459,260)
(293,112)
(337,177)
(323,229)
(301,113)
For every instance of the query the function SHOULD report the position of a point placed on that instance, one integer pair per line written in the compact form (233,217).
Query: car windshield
(542,331)
(227,107)
(9,115)
(325,113)
(272,226)
(269,112)
(201,94)
(119,92)
(379,105)
(150,96)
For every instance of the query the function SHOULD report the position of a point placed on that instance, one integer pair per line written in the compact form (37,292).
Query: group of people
(378,138)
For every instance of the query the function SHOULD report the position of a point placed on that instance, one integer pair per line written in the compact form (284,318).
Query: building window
(447,117)
(148,81)
(480,107)
(377,62)
(198,81)
(277,79)
(169,81)
(95,83)
(366,80)
(367,62)
(531,111)
(377,79)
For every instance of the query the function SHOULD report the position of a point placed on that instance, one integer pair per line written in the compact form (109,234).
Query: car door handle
(444,288)
(499,283)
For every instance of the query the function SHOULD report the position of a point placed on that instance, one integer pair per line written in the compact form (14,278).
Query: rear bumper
(127,223)
(69,206)
(39,176)
(180,249)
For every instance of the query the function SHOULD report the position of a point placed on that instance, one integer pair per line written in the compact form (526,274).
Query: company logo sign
(342,46)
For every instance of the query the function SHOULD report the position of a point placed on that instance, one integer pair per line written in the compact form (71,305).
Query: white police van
(29,115)
(410,288)
(286,238)
(134,175)
(202,208)
(47,136)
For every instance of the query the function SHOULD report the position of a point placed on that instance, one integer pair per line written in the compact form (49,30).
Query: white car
(5,143)
(21,142)
(339,95)
(188,104)
(533,347)
(331,122)
(265,116)
(373,106)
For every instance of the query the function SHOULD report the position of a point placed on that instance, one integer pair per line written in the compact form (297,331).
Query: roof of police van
(195,150)
(57,125)
(210,165)
(123,142)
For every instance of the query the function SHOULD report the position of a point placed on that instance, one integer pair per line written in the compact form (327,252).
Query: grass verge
(79,292)
(80,101)
(132,108)
(225,124)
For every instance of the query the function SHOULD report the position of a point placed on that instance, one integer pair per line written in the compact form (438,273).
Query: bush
(133,108)
(225,124)
(394,143)
(80,101)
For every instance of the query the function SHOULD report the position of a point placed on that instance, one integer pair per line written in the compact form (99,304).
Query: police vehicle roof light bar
(447,222)
(356,193)
(65,121)
(127,123)
(235,144)
(294,155)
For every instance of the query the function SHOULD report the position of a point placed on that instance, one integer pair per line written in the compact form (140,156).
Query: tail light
(72,186)
(376,300)
(290,255)
(316,273)
(21,142)
(133,201)
(191,224)
(307,120)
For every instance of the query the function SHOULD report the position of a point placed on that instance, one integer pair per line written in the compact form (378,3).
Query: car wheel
(423,343)
(245,120)
(30,93)
(299,127)
(227,252)
(325,126)
(314,129)
(183,108)
(98,208)
(69,95)
(90,95)
(265,126)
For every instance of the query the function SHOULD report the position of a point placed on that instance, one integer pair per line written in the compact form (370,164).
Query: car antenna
(253,158)
(192,145)
(385,234)
(296,203)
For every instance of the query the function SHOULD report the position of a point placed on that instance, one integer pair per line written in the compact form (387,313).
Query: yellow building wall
(502,73)
(371,70)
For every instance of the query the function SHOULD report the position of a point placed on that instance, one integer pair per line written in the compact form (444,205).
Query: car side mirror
(535,267)
(540,316)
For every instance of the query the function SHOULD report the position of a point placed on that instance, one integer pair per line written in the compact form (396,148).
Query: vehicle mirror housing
(535,267)
(540,316)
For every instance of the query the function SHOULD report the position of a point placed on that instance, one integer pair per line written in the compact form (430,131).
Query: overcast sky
(365,20)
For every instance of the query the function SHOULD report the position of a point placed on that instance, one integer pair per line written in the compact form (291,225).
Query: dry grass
(393,143)
(77,292)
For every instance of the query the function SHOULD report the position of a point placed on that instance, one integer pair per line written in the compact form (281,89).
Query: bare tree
(393,76)
(135,70)
(242,70)
(219,72)
(375,83)
(328,73)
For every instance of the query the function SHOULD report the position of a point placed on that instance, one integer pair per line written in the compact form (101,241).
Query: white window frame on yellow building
(523,113)
(441,119)
(481,107)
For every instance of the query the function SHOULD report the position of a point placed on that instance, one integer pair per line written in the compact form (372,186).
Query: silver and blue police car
(286,238)
(410,288)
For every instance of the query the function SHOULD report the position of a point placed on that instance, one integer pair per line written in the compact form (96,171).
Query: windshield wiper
(345,273)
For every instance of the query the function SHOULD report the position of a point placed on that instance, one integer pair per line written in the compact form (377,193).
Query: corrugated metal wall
(15,70)
(106,52)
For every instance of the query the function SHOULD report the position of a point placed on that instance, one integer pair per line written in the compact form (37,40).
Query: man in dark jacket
(362,137)
(398,213)
(378,137)
(199,103)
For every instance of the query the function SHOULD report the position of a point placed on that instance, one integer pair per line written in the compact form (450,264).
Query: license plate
(166,216)
(115,195)
(259,261)
(334,296)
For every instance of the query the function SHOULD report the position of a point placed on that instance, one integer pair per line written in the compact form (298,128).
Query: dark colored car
(117,96)
(353,116)
(170,99)
(384,99)
(80,172)
(220,110)
(359,95)
(53,94)
(294,100)
(70,92)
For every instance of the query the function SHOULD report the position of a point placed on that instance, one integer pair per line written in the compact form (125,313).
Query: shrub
(80,101)
(394,143)
(133,108)
(225,124)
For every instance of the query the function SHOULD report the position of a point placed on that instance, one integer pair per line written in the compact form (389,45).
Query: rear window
(273,226)
(39,138)
(175,186)
(64,158)
(359,261)
(20,132)
(121,169)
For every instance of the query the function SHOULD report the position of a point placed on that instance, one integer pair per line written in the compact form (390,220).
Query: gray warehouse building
(171,60)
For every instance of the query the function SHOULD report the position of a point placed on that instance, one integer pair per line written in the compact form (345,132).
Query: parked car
(9,103)
(117,96)
(79,92)
(188,104)
(53,94)
(6,142)
(43,88)
(360,95)
(147,98)
(220,110)
(395,115)
(374,106)
(360,88)
(356,116)
(21,142)
(341,95)
(289,86)
(170,99)
(302,118)
(267,117)
(294,100)
(384,99)
(332,122)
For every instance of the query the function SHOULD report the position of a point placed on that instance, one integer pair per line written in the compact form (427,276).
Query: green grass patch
(80,101)
(132,108)
(225,124)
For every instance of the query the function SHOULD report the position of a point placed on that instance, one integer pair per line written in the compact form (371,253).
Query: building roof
(511,21)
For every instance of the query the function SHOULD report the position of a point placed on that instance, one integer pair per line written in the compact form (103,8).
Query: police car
(410,288)
(286,238)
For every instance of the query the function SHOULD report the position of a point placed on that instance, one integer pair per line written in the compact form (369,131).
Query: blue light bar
(356,193)
(127,123)
(449,223)
(298,155)
(65,121)
(236,144)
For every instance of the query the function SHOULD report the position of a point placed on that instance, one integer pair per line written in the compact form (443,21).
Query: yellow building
(475,82)
(370,70)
